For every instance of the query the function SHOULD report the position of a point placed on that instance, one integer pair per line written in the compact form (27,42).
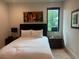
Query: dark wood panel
(56,43)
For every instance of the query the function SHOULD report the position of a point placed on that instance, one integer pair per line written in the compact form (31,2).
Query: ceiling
(32,1)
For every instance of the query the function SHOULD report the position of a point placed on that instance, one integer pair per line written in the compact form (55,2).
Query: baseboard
(72,54)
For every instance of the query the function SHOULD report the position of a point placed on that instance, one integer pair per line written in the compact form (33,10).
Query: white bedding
(27,48)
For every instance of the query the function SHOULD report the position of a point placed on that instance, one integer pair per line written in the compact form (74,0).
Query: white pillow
(37,33)
(26,33)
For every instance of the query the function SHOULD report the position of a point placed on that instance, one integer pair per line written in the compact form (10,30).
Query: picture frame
(75,19)
(33,16)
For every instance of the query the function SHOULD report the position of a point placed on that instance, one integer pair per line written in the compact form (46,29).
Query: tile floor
(60,54)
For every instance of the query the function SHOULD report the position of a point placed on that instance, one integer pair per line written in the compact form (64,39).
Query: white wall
(71,35)
(16,12)
(3,22)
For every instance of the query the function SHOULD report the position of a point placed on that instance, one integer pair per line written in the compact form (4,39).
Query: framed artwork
(75,19)
(33,16)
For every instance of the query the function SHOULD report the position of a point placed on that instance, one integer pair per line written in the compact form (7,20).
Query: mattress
(27,48)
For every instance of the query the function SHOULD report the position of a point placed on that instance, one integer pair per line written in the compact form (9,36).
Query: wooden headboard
(34,27)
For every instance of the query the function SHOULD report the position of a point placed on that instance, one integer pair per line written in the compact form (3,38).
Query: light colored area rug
(60,54)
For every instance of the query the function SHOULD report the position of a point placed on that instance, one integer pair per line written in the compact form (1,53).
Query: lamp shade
(13,29)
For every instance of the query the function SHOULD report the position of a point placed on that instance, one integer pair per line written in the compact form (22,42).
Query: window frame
(54,8)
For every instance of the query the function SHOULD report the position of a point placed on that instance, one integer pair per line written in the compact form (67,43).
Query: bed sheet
(27,48)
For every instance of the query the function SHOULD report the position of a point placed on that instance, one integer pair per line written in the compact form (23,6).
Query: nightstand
(56,43)
(10,39)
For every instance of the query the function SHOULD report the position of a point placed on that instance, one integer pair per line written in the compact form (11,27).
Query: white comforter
(27,48)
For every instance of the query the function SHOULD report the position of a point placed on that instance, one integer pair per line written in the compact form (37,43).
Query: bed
(28,47)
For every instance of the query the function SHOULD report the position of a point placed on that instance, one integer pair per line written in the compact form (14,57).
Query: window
(53,15)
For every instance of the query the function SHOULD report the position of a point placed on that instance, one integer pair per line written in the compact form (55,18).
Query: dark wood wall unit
(56,43)
(34,27)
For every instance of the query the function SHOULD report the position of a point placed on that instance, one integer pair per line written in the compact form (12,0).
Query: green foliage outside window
(53,19)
